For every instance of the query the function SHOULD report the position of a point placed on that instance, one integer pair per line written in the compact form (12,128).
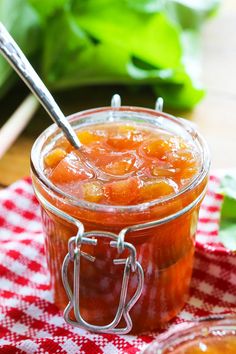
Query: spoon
(22,66)
(24,69)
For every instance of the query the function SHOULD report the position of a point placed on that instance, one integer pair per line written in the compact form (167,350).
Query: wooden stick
(16,123)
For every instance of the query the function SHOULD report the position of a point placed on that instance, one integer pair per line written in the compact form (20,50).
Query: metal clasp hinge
(131,265)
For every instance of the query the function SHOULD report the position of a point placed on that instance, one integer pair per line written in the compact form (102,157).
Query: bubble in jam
(139,163)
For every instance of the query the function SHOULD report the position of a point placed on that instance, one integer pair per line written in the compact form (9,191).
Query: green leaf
(151,37)
(227,231)
(47,7)
(228,186)
(148,6)
(191,14)
(180,95)
(116,60)
(85,42)
(228,189)
(23,23)
(227,235)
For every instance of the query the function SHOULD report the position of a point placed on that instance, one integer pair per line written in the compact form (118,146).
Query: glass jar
(125,267)
(210,336)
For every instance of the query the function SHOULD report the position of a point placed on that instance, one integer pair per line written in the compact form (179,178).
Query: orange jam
(138,164)
(137,172)
(225,345)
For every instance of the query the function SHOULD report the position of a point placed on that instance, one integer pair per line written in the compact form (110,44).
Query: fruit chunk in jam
(140,164)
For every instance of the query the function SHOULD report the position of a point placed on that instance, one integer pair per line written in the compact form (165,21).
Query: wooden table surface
(215,115)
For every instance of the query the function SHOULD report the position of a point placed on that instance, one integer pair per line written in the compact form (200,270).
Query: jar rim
(131,112)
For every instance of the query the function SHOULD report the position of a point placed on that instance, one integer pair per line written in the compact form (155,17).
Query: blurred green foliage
(227,229)
(83,42)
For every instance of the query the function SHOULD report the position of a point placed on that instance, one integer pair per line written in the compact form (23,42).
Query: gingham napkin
(31,323)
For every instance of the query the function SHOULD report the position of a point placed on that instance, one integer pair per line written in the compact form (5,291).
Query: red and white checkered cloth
(31,323)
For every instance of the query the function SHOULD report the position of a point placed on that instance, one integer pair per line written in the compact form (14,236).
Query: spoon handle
(21,65)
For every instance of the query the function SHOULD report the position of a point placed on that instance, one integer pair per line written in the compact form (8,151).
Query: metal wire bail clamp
(130,265)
